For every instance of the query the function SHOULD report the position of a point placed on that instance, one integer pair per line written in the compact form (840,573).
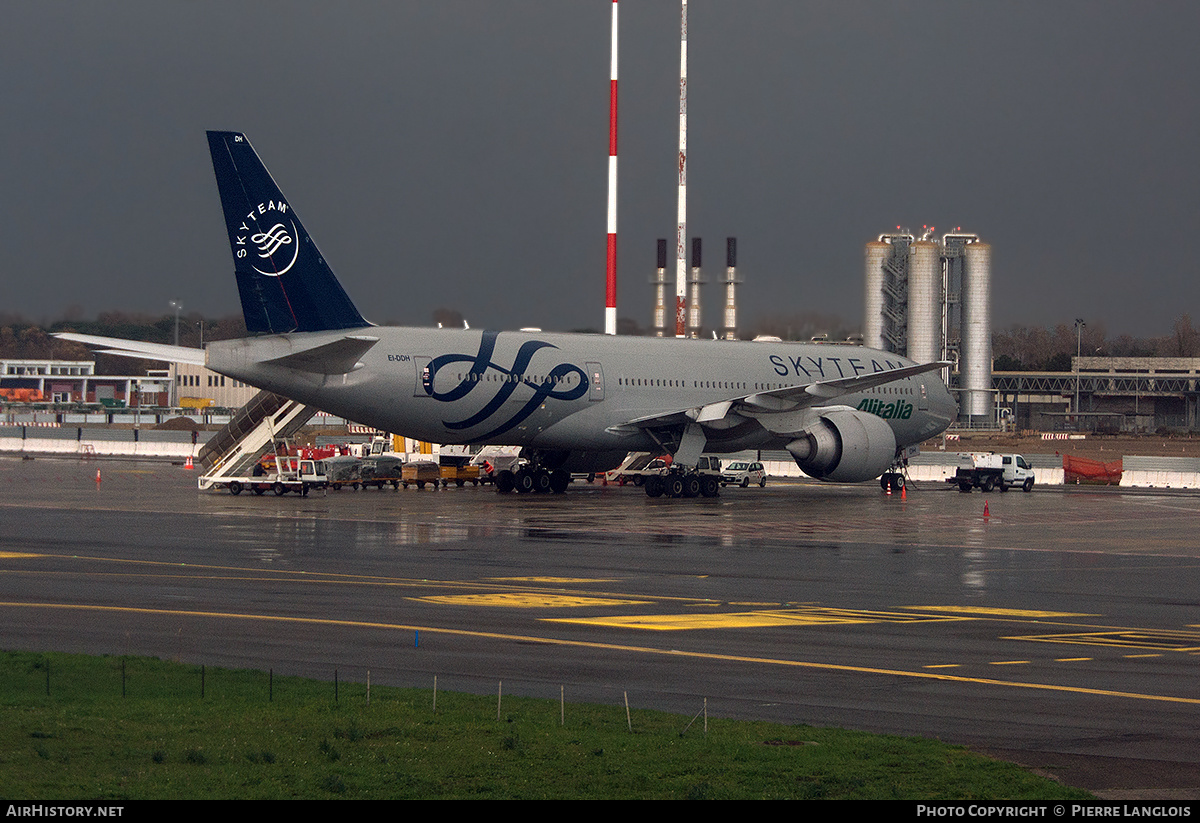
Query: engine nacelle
(847,446)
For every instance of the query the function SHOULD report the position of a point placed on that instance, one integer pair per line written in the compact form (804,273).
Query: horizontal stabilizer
(138,349)
(339,357)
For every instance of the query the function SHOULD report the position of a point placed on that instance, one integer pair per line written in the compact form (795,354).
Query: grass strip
(80,727)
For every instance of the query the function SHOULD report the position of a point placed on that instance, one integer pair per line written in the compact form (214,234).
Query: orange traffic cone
(188,464)
(97,475)
(904,492)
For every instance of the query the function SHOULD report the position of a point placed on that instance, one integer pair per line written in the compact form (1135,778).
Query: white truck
(307,474)
(993,471)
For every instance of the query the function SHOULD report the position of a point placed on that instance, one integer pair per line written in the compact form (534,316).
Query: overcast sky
(453,153)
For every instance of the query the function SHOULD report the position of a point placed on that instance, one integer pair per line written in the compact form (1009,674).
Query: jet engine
(847,446)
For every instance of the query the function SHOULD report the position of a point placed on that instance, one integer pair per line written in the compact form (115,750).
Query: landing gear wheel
(709,486)
(674,486)
(559,480)
(541,481)
(505,482)
(655,487)
(897,481)
(691,486)
(523,480)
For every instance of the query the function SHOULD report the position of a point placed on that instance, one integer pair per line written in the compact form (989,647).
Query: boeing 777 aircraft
(574,402)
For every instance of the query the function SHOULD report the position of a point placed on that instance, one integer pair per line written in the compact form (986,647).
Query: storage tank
(874,254)
(976,364)
(924,301)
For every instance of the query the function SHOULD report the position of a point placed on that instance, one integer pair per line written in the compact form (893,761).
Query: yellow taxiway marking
(982,610)
(1079,659)
(16,555)
(1009,663)
(559,581)
(1143,638)
(943,666)
(739,620)
(678,622)
(648,650)
(526,600)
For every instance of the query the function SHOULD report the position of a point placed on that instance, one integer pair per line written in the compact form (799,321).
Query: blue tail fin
(283,280)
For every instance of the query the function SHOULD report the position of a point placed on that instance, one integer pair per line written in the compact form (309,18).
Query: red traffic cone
(904,492)
(97,475)
(985,509)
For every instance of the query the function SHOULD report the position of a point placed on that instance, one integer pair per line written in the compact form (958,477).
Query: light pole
(174,395)
(1079,324)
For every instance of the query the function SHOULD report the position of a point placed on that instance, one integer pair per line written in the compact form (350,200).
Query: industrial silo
(875,254)
(924,301)
(976,364)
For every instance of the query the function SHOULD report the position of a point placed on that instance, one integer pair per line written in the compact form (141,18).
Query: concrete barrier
(84,443)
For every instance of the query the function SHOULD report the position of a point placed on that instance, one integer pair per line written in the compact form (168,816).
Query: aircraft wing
(138,349)
(792,398)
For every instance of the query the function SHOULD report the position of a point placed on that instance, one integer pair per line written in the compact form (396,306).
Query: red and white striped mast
(681,223)
(610,291)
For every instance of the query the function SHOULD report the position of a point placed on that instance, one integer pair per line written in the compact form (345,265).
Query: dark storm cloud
(453,154)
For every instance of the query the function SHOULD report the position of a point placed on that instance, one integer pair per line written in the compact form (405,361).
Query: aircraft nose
(949,405)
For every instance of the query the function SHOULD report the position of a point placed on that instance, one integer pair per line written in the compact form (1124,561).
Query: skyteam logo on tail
(267,239)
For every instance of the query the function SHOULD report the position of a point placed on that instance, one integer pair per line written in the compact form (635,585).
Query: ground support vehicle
(460,475)
(633,468)
(343,470)
(419,473)
(743,473)
(381,470)
(308,474)
(993,471)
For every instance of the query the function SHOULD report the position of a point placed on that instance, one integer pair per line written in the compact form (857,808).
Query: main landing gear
(533,480)
(891,480)
(679,484)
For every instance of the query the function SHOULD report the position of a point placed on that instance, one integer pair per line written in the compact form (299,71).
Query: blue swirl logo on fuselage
(514,378)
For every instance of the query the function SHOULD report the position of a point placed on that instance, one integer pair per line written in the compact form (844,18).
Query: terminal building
(75,382)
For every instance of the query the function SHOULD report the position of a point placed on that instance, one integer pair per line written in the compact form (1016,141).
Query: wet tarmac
(1061,629)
